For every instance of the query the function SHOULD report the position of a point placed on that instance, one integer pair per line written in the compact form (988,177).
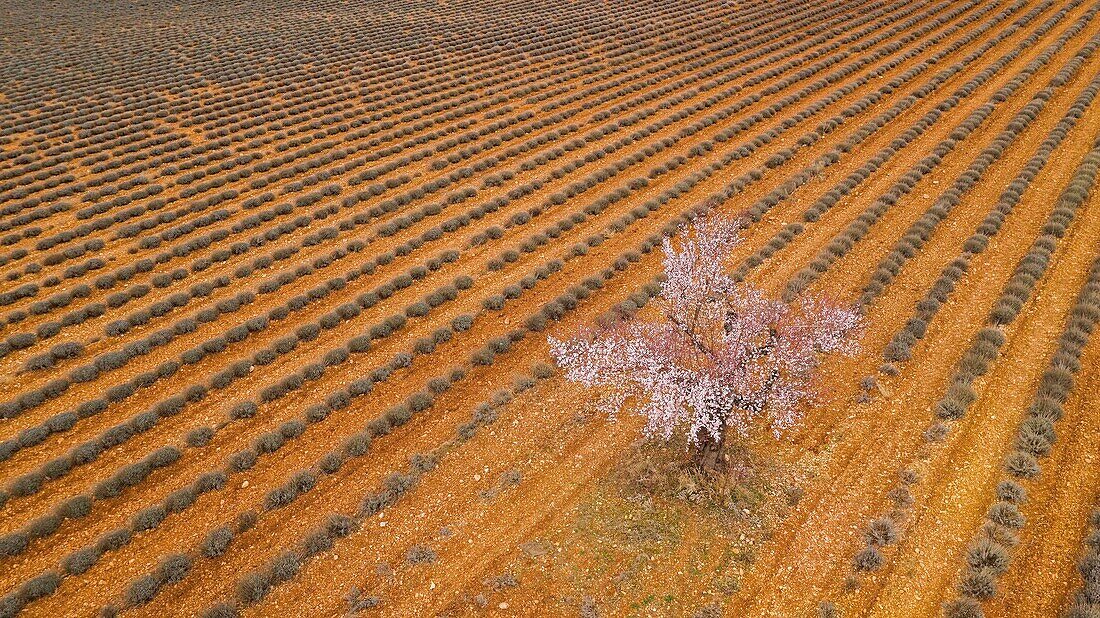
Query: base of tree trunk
(708,454)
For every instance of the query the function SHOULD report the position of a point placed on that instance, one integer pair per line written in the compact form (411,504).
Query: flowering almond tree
(720,355)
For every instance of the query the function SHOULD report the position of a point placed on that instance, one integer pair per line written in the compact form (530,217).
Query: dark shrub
(979,584)
(963,608)
(1006,514)
(339,525)
(331,463)
(1022,465)
(868,559)
(438,385)
(292,428)
(284,567)
(1011,491)
(303,481)
(142,590)
(44,526)
(542,371)
(76,507)
(149,518)
(881,532)
(80,560)
(317,413)
(360,387)
(418,402)
(200,436)
(245,521)
(252,587)
(27,484)
(245,409)
(987,554)
(180,499)
(420,554)
(374,503)
(335,357)
(398,415)
(422,462)
(242,460)
(114,540)
(358,444)
(13,543)
(109,488)
(269,442)
(210,481)
(174,568)
(164,456)
(279,497)
(41,586)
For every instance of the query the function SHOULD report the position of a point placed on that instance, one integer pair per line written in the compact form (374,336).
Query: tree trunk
(709,451)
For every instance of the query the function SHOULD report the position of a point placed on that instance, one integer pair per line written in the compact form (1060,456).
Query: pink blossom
(718,354)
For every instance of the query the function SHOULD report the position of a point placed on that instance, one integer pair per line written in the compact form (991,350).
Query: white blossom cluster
(719,355)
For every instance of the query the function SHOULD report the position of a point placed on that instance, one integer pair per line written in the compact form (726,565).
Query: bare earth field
(276,282)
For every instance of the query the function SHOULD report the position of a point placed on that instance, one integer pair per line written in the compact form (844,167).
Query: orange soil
(777,561)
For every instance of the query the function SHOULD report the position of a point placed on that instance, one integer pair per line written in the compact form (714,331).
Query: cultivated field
(276,281)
